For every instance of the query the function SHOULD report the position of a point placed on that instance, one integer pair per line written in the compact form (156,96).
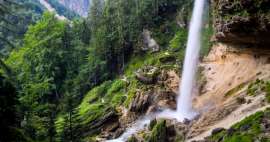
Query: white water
(136,127)
(184,102)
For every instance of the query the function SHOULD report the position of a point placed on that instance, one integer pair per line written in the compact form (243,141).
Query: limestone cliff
(79,6)
(242,21)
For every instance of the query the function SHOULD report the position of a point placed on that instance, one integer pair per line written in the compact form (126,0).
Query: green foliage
(18,16)
(45,69)
(206,40)
(247,130)
(267,90)
(259,86)
(94,95)
(62,10)
(132,139)
(235,90)
(179,40)
(60,62)
(158,133)
(8,110)
(116,93)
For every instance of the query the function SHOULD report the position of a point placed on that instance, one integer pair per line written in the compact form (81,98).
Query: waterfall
(184,102)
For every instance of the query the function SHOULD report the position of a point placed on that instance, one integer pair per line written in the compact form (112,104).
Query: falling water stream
(184,101)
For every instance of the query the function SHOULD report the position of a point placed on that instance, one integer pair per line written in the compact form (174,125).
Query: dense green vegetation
(250,129)
(259,87)
(15,19)
(62,10)
(68,75)
(63,79)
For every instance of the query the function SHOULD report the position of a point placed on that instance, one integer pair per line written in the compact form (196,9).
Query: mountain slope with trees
(89,79)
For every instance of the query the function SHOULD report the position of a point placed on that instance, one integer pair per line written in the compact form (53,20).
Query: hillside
(115,75)
(79,6)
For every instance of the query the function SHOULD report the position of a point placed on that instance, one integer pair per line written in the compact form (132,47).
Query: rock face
(149,43)
(160,90)
(79,6)
(147,74)
(242,21)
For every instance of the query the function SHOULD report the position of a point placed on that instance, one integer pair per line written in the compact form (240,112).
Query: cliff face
(242,21)
(235,74)
(79,6)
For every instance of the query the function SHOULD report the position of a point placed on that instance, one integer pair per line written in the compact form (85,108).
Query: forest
(111,75)
(48,68)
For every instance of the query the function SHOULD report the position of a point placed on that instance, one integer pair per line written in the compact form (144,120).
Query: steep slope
(79,6)
(230,71)
(61,11)
(28,13)
(51,9)
(235,76)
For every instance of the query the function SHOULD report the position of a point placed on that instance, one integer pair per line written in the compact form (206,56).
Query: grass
(179,40)
(267,90)
(246,130)
(159,132)
(235,90)
(93,96)
(94,112)
(206,40)
(116,93)
(59,124)
(260,86)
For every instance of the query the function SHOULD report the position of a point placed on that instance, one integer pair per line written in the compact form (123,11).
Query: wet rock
(140,103)
(245,127)
(152,124)
(152,109)
(181,131)
(217,130)
(118,133)
(165,99)
(230,131)
(186,121)
(249,101)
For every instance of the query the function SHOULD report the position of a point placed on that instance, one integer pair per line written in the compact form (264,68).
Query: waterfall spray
(184,102)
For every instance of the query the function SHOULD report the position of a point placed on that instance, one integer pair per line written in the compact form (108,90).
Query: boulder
(149,43)
(217,130)
(147,74)
(141,102)
(159,132)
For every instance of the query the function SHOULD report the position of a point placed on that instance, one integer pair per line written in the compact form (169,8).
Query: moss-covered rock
(159,132)
(147,74)
(242,21)
(253,128)
(132,139)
